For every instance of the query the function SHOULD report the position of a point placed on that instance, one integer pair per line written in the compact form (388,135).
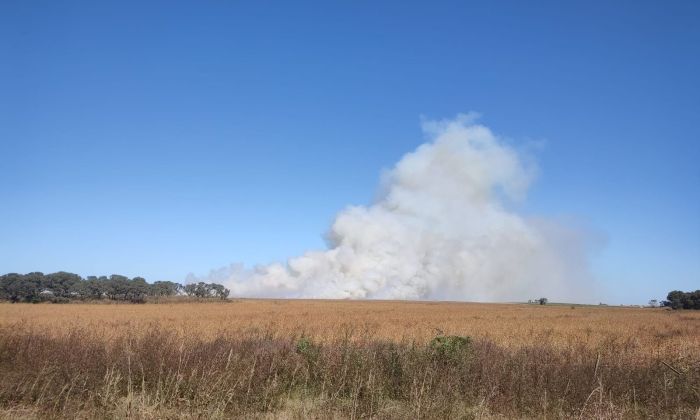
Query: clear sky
(162,138)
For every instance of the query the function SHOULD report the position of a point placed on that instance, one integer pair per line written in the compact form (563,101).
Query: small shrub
(308,349)
(450,346)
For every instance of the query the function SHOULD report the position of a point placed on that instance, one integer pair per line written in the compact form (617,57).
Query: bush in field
(450,346)
(308,349)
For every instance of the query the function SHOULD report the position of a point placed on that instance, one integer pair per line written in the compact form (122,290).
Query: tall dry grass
(156,361)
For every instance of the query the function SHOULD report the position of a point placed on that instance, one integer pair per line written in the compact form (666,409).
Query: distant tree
(206,290)
(118,287)
(11,287)
(542,301)
(62,284)
(220,291)
(137,290)
(31,286)
(190,289)
(653,303)
(683,300)
(22,288)
(202,290)
(674,299)
(92,288)
(165,288)
(694,299)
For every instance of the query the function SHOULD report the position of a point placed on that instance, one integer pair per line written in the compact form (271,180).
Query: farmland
(314,358)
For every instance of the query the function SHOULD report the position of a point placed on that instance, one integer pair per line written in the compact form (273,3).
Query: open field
(294,358)
(648,331)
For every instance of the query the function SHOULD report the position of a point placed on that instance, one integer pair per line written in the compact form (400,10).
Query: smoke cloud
(442,228)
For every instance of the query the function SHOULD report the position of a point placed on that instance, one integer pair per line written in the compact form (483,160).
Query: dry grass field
(649,331)
(305,358)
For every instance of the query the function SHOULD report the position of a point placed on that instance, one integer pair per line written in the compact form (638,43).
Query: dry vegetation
(300,359)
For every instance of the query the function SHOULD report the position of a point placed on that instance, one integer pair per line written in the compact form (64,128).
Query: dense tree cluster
(203,290)
(63,287)
(683,300)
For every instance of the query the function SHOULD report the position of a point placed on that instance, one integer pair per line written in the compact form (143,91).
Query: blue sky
(165,138)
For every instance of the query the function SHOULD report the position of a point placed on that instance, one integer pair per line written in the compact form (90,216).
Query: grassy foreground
(83,370)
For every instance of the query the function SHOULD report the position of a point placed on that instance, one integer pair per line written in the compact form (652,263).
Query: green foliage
(62,287)
(450,346)
(166,288)
(304,345)
(683,300)
(308,349)
(206,290)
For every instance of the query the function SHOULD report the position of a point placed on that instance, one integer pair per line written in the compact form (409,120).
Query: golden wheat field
(652,331)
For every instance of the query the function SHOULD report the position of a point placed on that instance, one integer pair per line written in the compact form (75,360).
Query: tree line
(683,300)
(64,287)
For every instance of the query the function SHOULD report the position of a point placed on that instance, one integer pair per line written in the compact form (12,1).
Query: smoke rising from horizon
(441,229)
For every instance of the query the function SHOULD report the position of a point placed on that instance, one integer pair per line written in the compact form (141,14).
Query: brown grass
(650,331)
(360,359)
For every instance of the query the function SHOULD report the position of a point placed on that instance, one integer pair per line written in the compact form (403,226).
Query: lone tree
(542,301)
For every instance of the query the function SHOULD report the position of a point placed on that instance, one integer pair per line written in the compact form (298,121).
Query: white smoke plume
(441,230)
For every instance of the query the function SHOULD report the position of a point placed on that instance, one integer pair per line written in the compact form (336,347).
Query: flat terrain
(649,331)
(347,359)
